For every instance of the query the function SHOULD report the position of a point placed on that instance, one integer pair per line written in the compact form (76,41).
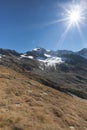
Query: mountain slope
(27,104)
(63,70)
(43,89)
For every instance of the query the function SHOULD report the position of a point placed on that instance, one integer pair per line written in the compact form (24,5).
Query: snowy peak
(39,49)
(53,58)
(42,58)
(43,53)
(37,54)
(48,58)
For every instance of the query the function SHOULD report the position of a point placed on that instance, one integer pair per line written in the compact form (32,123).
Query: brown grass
(26,104)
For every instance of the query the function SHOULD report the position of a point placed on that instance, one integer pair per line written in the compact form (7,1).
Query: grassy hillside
(26,104)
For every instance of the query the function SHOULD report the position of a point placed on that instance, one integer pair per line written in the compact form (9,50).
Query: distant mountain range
(62,69)
(41,53)
(52,58)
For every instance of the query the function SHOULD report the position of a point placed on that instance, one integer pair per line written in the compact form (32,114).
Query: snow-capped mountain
(45,59)
(36,52)
(49,58)
(43,53)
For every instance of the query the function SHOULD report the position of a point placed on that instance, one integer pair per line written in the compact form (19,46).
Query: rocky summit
(43,90)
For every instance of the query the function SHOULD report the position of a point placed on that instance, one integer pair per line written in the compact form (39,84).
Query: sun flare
(75,15)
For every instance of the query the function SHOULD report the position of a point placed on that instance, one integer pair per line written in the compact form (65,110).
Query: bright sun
(75,15)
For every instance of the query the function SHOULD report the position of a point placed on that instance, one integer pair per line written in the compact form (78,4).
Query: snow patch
(1,56)
(36,49)
(24,56)
(47,55)
(51,61)
(30,57)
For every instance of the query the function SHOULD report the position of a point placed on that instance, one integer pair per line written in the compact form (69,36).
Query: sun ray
(63,36)
(74,17)
(57,21)
(81,34)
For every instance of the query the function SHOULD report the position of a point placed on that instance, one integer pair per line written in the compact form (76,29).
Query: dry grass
(26,104)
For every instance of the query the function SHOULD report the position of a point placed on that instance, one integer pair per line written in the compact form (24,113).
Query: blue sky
(26,24)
